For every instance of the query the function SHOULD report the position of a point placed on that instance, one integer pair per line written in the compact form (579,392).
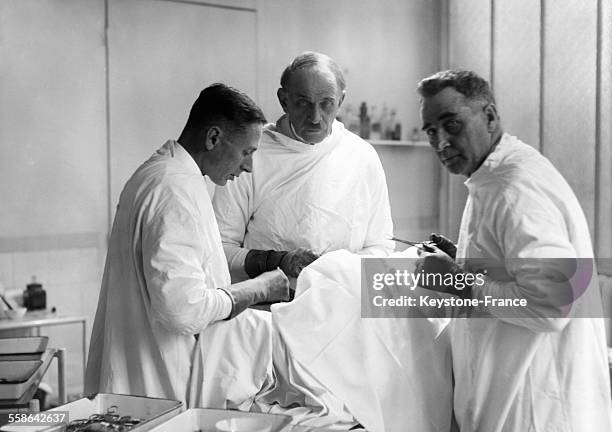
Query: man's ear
(341,98)
(492,117)
(211,140)
(283,98)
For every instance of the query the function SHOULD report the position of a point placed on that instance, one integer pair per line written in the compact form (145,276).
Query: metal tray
(23,345)
(17,371)
(152,411)
(21,357)
(14,390)
(205,419)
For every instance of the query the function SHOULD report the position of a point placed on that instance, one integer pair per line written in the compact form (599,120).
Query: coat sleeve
(233,210)
(539,260)
(380,224)
(175,265)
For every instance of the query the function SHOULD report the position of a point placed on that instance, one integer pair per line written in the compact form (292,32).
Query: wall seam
(492,45)
(444,35)
(258,51)
(108,130)
(598,87)
(445,199)
(542,64)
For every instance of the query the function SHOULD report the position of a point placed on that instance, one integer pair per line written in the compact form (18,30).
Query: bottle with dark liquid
(35,297)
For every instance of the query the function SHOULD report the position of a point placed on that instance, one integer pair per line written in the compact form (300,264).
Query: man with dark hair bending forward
(166,278)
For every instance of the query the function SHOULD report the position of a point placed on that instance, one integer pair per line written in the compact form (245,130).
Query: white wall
(52,111)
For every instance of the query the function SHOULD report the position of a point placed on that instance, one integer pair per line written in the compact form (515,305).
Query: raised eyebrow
(446,115)
(443,116)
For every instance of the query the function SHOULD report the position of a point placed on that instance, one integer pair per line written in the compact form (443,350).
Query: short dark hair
(466,82)
(220,104)
(311,58)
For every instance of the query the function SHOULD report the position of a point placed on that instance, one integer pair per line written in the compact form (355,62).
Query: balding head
(312,90)
(311,59)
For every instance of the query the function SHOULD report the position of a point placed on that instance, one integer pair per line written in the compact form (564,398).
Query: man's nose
(314,114)
(247,165)
(443,141)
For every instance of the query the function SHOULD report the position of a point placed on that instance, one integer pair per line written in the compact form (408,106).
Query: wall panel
(603,236)
(52,118)
(569,116)
(516,67)
(469,47)
(470,35)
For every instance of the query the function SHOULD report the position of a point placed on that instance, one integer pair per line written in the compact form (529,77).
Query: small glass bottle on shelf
(364,121)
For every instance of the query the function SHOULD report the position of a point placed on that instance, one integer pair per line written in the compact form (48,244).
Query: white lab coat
(390,375)
(164,263)
(516,372)
(327,196)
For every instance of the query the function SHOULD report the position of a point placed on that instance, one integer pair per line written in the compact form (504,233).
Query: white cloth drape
(387,374)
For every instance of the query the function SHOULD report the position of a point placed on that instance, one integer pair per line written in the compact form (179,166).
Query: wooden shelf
(399,143)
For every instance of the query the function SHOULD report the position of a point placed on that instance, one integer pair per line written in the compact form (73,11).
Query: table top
(39,319)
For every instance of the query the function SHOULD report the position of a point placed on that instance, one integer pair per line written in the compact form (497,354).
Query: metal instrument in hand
(424,246)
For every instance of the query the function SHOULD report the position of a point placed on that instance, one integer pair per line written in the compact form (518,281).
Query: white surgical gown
(526,371)
(327,196)
(164,263)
